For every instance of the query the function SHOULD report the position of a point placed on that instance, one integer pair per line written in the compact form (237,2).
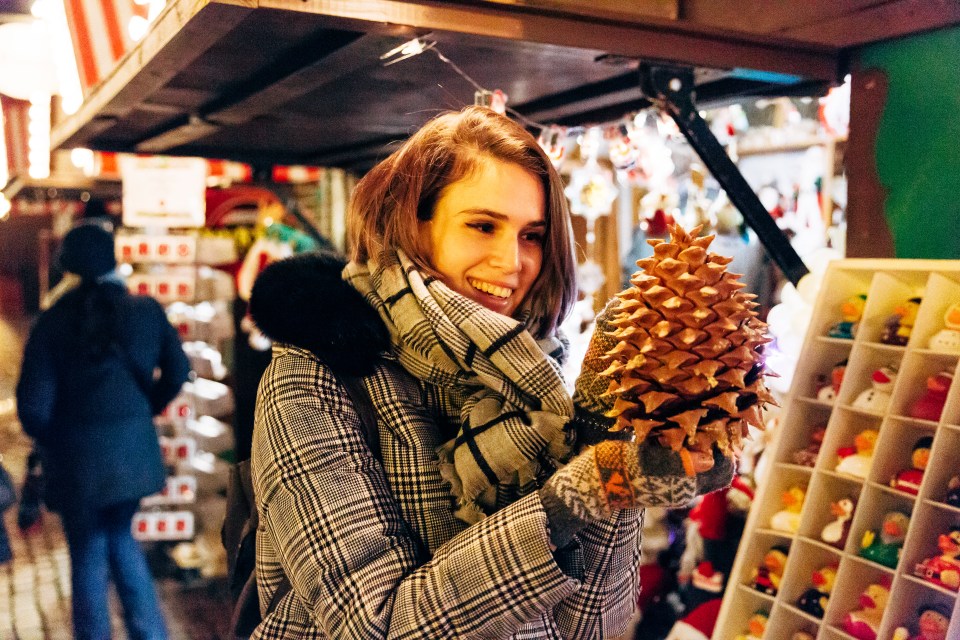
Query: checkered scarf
(513,425)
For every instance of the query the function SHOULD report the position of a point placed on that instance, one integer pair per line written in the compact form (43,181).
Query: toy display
(814,600)
(933,621)
(686,358)
(929,406)
(766,577)
(886,550)
(836,531)
(899,326)
(864,622)
(850,313)
(943,570)
(953,491)
(827,391)
(947,339)
(808,455)
(908,480)
(857,460)
(877,397)
(788,518)
(756,627)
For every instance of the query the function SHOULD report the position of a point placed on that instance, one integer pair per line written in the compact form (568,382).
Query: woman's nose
(506,255)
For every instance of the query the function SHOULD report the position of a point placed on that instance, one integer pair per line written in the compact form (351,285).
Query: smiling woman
(482,518)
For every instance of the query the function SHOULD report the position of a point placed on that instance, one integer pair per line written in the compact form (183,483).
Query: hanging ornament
(553,142)
(623,153)
(591,191)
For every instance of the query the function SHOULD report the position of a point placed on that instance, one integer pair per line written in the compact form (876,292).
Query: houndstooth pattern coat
(373,550)
(371,547)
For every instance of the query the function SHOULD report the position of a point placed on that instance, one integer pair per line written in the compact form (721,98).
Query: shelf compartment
(826,489)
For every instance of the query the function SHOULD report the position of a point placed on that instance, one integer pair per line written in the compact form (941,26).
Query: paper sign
(160,191)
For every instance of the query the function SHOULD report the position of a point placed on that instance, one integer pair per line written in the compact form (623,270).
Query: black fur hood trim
(303,301)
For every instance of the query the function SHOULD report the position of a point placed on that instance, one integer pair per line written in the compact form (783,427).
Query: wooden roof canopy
(302,82)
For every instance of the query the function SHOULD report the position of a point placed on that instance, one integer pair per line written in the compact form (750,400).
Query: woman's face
(486,235)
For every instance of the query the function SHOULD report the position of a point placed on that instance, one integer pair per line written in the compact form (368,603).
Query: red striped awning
(16,119)
(100,34)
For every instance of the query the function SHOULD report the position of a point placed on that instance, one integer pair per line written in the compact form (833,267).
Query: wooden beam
(650,40)
(182,33)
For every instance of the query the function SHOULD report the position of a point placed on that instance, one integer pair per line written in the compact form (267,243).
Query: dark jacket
(95,420)
(372,547)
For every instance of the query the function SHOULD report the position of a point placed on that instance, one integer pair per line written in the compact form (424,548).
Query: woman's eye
(482,227)
(534,236)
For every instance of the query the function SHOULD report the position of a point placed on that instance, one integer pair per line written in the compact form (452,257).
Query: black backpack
(239,530)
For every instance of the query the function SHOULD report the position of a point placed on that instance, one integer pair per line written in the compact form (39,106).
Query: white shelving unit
(887,283)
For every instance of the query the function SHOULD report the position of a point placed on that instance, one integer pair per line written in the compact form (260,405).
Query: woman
(463,528)
(87,394)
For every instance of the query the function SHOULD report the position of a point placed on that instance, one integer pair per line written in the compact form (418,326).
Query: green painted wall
(918,144)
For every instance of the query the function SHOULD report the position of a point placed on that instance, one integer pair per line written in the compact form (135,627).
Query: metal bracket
(672,90)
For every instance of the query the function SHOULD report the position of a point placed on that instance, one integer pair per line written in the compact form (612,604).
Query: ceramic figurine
(814,600)
(953,491)
(850,313)
(899,326)
(933,621)
(929,406)
(944,569)
(827,392)
(788,518)
(766,578)
(908,480)
(886,550)
(877,397)
(856,460)
(835,532)
(947,339)
(756,626)
(808,455)
(864,622)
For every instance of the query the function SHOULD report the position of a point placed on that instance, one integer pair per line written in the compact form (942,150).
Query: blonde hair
(403,189)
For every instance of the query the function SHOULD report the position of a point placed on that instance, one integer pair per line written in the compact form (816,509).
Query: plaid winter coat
(372,547)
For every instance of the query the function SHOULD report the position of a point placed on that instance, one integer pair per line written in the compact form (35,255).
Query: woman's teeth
(492,289)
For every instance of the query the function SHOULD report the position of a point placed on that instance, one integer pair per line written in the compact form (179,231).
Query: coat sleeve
(330,523)
(173,364)
(37,386)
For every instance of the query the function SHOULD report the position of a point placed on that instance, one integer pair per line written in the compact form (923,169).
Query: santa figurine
(934,619)
(908,480)
(943,570)
(929,406)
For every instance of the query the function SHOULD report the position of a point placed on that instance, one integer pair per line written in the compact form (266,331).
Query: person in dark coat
(97,366)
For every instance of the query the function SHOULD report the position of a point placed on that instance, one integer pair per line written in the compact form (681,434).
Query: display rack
(172,266)
(887,285)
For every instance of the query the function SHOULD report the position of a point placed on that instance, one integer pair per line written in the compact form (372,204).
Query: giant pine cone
(687,368)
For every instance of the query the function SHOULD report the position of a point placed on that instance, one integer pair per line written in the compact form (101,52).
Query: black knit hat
(87,250)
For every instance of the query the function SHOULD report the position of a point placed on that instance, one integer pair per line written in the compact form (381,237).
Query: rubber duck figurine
(908,480)
(835,532)
(767,576)
(756,626)
(947,339)
(827,392)
(856,460)
(929,406)
(953,491)
(877,397)
(886,550)
(807,456)
(814,600)
(944,569)
(899,326)
(788,518)
(933,621)
(850,313)
(864,622)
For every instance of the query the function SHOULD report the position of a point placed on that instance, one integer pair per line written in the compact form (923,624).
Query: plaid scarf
(513,425)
